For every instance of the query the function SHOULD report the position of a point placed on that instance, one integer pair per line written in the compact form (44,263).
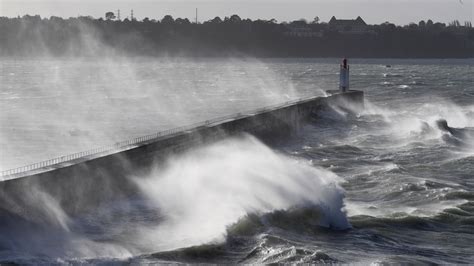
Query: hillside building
(350,26)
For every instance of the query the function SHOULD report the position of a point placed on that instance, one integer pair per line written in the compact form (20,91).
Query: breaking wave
(209,189)
(202,197)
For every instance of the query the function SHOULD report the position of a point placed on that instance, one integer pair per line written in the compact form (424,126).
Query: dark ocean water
(382,186)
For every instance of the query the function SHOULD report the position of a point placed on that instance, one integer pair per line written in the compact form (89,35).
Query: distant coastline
(232,36)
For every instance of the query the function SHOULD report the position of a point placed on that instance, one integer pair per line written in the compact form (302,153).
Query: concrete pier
(81,182)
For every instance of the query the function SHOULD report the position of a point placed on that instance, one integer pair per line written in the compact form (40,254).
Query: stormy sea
(393,183)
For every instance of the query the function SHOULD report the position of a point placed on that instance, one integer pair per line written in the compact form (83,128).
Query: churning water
(386,185)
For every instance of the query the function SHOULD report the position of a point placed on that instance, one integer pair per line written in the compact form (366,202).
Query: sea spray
(43,232)
(204,191)
(122,98)
(418,122)
(193,199)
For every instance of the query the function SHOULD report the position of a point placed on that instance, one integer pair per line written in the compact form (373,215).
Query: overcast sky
(372,11)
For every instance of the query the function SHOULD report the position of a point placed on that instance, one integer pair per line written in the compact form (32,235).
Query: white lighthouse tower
(344,76)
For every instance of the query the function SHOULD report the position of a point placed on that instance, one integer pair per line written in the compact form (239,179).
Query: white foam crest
(429,113)
(373,109)
(355,208)
(419,120)
(206,190)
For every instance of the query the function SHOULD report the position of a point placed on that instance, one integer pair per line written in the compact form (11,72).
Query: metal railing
(127,144)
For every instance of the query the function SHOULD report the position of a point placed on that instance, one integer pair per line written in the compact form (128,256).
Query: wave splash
(196,198)
(205,191)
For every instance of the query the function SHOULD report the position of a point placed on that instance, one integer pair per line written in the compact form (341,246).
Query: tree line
(231,36)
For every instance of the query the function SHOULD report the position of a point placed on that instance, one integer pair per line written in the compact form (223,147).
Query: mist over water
(62,106)
(385,185)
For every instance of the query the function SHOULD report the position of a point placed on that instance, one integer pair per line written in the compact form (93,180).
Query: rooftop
(347,22)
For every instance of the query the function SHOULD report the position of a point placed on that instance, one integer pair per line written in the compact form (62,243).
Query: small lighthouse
(347,99)
(344,76)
